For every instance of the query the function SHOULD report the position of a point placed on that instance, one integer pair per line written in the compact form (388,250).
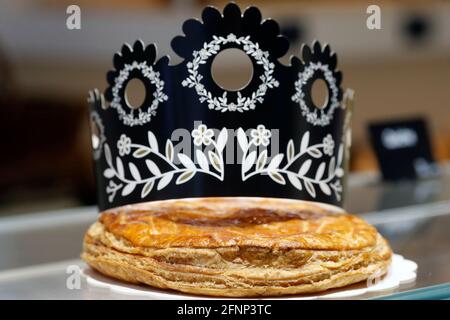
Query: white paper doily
(401,271)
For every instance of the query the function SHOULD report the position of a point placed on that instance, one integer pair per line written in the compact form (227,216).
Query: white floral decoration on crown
(194,79)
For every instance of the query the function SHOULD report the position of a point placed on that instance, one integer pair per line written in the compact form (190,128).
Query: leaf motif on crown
(327,177)
(210,163)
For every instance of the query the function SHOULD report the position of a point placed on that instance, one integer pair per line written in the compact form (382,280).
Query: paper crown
(192,138)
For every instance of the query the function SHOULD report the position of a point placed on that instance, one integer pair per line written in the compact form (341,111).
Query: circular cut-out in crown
(137,62)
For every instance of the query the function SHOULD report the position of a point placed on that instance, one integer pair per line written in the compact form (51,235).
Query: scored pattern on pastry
(221,103)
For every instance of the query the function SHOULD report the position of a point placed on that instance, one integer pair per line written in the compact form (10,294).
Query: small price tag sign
(403,149)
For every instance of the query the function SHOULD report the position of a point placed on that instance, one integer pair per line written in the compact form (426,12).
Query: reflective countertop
(36,249)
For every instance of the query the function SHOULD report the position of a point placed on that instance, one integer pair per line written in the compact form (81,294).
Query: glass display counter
(37,249)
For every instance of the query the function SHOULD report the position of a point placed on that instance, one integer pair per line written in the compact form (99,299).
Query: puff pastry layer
(235,247)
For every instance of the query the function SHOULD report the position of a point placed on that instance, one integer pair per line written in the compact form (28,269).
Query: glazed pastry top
(243,222)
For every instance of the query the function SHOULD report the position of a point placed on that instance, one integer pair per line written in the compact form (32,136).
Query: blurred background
(46,70)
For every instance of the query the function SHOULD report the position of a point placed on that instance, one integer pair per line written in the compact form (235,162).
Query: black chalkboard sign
(403,149)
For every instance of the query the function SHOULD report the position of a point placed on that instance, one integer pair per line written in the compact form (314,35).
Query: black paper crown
(280,143)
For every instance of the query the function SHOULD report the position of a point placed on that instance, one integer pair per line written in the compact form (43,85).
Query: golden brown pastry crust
(236,247)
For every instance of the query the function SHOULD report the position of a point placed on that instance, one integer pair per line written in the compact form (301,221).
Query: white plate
(401,271)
